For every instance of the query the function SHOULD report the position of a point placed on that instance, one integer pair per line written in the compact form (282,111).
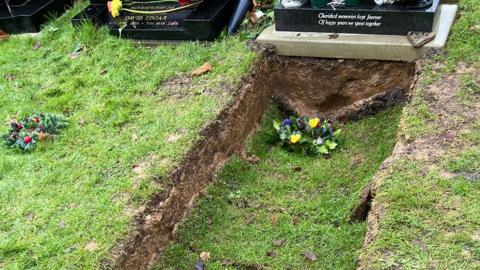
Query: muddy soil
(302,85)
(309,86)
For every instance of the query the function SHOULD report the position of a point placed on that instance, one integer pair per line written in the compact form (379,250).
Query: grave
(26,16)
(161,20)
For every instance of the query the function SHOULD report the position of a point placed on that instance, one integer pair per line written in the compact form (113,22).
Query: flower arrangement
(115,6)
(25,134)
(312,135)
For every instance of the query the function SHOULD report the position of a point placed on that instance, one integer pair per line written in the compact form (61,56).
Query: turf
(65,205)
(304,201)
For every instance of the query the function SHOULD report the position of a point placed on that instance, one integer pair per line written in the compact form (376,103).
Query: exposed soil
(306,86)
(309,86)
(454,118)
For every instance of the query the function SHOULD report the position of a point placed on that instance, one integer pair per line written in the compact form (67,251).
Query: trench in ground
(301,202)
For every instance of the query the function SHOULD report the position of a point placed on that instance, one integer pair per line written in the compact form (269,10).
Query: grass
(302,200)
(65,205)
(430,215)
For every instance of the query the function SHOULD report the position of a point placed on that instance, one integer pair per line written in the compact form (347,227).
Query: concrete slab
(358,46)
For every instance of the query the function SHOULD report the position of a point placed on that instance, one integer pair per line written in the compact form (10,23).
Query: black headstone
(368,18)
(23,16)
(204,21)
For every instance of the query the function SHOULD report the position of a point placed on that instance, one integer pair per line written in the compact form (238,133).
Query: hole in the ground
(342,90)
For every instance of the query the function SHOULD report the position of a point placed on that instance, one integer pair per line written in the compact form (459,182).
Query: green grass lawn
(65,205)
(302,201)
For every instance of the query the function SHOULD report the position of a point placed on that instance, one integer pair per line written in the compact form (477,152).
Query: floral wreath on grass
(115,6)
(312,135)
(26,134)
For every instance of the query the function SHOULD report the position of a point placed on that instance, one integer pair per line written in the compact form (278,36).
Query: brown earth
(308,86)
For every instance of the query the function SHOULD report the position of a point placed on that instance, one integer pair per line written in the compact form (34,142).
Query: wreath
(26,134)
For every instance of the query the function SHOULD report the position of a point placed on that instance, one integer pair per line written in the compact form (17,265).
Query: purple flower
(287,122)
(319,141)
(300,123)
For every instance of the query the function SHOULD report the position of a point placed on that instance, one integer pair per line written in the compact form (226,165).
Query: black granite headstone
(200,22)
(368,18)
(23,16)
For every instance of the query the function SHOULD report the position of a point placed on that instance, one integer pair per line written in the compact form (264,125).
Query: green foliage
(464,41)
(25,134)
(311,135)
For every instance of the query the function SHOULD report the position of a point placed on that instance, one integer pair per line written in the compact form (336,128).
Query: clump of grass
(272,213)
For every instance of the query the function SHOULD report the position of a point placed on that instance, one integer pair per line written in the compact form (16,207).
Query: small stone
(310,256)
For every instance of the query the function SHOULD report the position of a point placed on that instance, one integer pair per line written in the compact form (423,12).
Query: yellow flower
(295,138)
(313,123)
(116,6)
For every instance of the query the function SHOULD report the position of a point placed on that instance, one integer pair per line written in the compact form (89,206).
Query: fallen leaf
(4,35)
(81,121)
(204,256)
(297,169)
(279,242)
(91,246)
(44,136)
(103,71)
(310,256)
(206,67)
